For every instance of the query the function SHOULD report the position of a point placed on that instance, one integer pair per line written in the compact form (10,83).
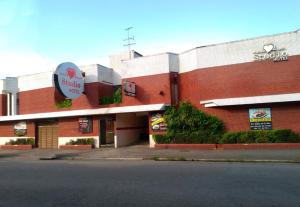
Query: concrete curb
(251,146)
(104,158)
(180,159)
(228,160)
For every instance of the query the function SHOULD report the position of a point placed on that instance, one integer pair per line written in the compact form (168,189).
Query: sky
(38,35)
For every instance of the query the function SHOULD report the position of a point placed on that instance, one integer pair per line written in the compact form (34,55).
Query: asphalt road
(147,183)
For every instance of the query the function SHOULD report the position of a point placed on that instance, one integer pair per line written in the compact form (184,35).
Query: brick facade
(69,127)
(7,129)
(221,71)
(3,105)
(44,99)
(151,89)
(242,80)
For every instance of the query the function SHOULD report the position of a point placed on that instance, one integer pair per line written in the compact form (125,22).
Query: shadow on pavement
(8,155)
(66,155)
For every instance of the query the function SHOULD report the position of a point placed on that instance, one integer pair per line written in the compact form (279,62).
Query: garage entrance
(132,129)
(48,136)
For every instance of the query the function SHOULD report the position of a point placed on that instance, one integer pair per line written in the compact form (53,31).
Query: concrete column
(151,141)
(116,140)
(13,103)
(8,103)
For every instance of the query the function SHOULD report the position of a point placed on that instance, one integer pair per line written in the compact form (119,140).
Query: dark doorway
(107,131)
(102,132)
(144,133)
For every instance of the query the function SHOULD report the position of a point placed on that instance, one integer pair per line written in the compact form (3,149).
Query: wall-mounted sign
(260,119)
(158,122)
(129,88)
(69,80)
(85,125)
(271,52)
(20,128)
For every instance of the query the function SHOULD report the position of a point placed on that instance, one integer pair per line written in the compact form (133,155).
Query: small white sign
(20,128)
(129,88)
(20,125)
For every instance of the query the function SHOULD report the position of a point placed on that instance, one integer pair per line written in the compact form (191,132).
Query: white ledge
(252,100)
(86,112)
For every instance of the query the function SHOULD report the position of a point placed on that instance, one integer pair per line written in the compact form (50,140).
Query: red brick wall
(236,118)
(7,129)
(105,90)
(43,100)
(69,127)
(148,90)
(3,105)
(247,79)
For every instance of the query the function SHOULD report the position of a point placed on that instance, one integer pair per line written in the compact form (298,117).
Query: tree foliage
(187,124)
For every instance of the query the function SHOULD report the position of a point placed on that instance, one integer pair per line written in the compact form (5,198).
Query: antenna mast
(129,38)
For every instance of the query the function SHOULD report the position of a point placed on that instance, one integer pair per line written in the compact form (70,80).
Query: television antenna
(129,40)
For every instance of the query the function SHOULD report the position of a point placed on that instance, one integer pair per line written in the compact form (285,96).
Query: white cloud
(16,64)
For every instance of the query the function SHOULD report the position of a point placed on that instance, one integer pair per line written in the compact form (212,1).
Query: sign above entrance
(69,80)
(271,52)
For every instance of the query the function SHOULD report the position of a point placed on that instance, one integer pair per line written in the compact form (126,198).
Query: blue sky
(37,35)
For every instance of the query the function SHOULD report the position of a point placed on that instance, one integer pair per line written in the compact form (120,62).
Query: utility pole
(128,40)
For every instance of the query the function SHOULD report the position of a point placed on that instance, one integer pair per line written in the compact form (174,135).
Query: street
(147,183)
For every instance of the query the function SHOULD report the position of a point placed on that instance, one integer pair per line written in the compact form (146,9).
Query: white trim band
(86,112)
(252,100)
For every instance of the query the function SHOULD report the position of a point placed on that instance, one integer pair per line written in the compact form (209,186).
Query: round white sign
(69,80)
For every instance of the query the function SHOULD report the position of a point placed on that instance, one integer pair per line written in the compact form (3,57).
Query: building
(249,84)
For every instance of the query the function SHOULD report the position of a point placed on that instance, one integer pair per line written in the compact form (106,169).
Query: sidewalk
(142,152)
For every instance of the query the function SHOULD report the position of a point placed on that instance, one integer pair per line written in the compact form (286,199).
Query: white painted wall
(35,81)
(64,140)
(4,140)
(97,73)
(105,75)
(237,51)
(10,86)
(145,65)
(125,137)
(93,72)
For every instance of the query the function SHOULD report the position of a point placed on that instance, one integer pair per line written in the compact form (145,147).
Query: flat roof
(277,98)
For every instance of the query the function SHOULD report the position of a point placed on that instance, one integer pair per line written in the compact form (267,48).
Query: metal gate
(48,137)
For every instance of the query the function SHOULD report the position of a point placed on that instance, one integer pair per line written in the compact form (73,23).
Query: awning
(86,112)
(252,100)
